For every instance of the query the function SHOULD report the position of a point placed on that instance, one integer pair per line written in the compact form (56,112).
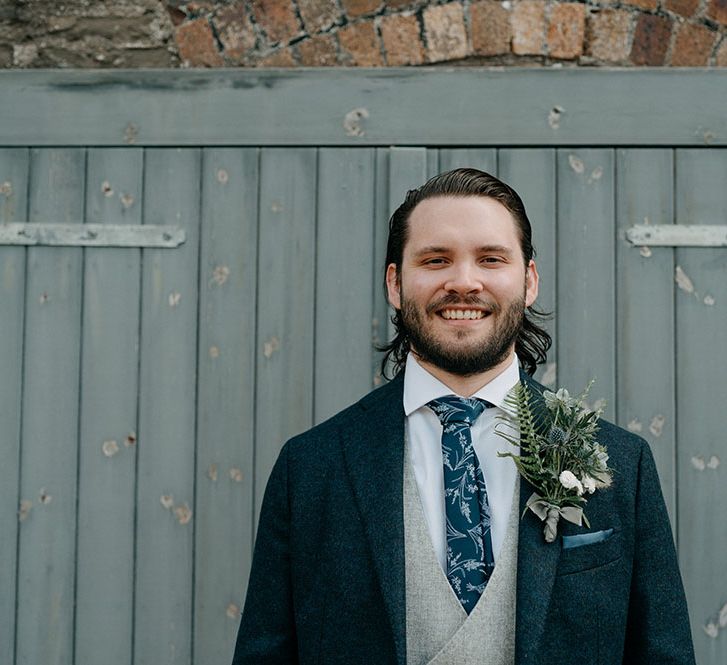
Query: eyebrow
(484,249)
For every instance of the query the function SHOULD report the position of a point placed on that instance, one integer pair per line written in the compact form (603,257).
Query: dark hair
(532,342)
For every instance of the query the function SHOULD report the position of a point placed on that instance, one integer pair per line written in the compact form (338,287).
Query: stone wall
(361,33)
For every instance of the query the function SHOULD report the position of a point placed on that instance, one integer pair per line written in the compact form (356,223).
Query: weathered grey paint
(439,106)
(148,390)
(645,314)
(49,440)
(165,520)
(344,265)
(532,172)
(14,164)
(586,323)
(108,419)
(285,303)
(224,472)
(701,321)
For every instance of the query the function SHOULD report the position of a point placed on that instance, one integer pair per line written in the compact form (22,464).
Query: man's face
(463,285)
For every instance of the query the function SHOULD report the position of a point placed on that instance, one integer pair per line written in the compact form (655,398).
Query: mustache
(472,301)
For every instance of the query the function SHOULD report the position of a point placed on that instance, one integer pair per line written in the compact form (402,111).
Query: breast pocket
(591,555)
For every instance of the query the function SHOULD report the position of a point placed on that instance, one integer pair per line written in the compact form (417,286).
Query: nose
(464,277)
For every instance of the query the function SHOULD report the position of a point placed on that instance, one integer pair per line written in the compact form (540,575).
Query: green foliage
(556,435)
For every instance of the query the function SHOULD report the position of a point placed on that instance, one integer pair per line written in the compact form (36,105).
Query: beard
(466,360)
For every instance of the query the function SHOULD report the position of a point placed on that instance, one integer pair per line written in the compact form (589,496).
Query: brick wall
(361,33)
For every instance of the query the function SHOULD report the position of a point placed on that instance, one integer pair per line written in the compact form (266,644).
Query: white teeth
(462,314)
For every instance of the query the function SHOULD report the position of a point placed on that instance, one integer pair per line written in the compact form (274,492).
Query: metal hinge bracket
(91,235)
(678,235)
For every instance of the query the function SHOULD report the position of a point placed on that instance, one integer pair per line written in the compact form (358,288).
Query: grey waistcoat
(438,630)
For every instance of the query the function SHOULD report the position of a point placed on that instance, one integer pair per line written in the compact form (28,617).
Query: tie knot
(455,409)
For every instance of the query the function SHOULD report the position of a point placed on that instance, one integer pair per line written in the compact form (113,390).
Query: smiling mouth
(463,314)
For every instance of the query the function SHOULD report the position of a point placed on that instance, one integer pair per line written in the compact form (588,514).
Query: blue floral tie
(470,561)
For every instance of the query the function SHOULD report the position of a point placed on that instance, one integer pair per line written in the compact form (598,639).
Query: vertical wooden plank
(645,300)
(586,281)
(381,310)
(432,162)
(13,208)
(701,321)
(109,383)
(225,399)
(165,495)
(484,159)
(532,173)
(286,279)
(344,263)
(407,170)
(49,450)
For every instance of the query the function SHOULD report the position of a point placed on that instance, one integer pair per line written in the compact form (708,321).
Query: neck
(466,385)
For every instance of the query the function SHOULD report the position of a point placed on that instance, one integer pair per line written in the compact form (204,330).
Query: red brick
(402,40)
(651,40)
(360,45)
(721,60)
(318,15)
(235,30)
(197,47)
(277,19)
(643,4)
(609,35)
(566,30)
(490,28)
(356,8)
(318,51)
(281,58)
(684,8)
(717,10)
(528,27)
(446,34)
(693,46)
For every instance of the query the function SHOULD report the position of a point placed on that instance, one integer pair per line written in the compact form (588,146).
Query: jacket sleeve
(267,629)
(658,624)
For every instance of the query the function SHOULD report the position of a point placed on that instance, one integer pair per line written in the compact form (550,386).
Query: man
(392,533)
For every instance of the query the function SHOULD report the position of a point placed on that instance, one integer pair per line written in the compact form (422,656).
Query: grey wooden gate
(145,391)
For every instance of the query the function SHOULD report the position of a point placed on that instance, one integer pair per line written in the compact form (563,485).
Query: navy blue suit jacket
(327,579)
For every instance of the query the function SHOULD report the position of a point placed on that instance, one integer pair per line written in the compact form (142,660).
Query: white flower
(589,484)
(569,481)
(562,398)
(602,457)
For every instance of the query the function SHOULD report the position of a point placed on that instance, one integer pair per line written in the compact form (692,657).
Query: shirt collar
(420,387)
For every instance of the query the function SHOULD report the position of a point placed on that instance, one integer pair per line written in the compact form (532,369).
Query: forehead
(462,221)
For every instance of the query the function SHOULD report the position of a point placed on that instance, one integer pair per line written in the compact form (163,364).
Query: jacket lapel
(374,455)
(536,565)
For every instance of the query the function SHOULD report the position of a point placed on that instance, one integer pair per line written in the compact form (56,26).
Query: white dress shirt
(425,448)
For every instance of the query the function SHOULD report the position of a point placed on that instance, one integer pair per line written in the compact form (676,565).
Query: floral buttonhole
(558,456)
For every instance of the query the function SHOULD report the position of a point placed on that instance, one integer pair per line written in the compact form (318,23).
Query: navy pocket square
(586,538)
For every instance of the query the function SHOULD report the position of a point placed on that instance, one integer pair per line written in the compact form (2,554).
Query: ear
(531,283)
(393,288)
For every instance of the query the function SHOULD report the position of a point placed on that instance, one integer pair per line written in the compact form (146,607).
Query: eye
(434,261)
(492,259)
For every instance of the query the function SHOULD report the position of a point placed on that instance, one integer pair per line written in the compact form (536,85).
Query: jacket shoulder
(609,434)
(386,397)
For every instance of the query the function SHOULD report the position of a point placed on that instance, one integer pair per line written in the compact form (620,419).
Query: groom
(392,533)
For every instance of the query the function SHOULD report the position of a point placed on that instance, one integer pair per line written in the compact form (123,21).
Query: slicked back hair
(532,342)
